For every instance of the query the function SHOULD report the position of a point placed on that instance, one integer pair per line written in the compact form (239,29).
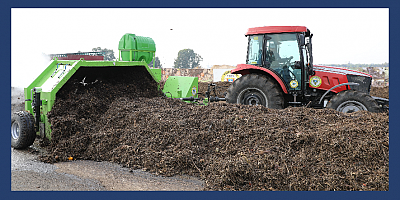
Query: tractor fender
(244,69)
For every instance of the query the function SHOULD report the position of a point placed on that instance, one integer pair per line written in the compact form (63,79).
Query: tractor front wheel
(255,89)
(352,101)
(22,130)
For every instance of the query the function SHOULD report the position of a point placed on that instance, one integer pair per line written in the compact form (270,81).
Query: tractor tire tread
(264,83)
(355,95)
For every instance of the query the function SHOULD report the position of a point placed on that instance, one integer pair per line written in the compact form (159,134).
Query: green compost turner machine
(135,53)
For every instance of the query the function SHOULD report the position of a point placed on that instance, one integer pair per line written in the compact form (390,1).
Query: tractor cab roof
(276,29)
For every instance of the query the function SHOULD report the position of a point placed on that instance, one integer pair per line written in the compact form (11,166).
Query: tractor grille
(365,83)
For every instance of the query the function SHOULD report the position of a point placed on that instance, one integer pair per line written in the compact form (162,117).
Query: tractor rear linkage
(212,87)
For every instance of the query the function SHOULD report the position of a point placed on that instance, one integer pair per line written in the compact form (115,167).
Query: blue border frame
(6,102)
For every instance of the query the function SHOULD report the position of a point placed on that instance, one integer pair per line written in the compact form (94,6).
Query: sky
(341,35)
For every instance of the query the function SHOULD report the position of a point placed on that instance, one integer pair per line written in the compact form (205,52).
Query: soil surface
(124,119)
(113,177)
(29,174)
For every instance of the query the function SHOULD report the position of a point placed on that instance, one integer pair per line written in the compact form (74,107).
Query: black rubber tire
(351,101)
(255,89)
(22,130)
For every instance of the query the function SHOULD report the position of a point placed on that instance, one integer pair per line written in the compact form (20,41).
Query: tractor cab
(285,53)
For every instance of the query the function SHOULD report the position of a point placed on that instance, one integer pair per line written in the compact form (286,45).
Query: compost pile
(382,92)
(230,146)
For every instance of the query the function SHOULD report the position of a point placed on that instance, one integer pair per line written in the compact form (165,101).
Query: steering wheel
(288,60)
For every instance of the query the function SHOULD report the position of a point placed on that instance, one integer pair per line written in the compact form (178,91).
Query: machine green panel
(136,48)
(181,87)
(157,74)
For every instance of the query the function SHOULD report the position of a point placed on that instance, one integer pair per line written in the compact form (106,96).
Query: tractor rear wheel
(255,89)
(22,130)
(352,101)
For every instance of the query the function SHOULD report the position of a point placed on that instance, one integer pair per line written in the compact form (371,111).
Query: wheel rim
(15,130)
(351,106)
(252,96)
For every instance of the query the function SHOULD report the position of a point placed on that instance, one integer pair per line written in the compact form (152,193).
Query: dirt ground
(126,120)
(29,174)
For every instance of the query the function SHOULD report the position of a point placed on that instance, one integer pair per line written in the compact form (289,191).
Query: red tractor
(279,72)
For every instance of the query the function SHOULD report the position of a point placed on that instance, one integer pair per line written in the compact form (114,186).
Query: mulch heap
(382,92)
(230,146)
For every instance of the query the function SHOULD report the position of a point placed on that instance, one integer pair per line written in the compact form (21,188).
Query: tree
(187,59)
(158,63)
(107,53)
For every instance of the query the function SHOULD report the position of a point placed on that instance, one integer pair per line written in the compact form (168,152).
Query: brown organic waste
(382,92)
(231,147)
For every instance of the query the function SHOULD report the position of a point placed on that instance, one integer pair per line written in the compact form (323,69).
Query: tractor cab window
(281,52)
(254,55)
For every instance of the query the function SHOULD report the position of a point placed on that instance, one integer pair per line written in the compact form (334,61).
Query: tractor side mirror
(302,40)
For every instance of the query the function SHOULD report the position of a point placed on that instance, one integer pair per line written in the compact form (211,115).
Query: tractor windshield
(255,49)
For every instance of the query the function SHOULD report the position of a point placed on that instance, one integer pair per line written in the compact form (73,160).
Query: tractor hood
(338,70)
(326,78)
